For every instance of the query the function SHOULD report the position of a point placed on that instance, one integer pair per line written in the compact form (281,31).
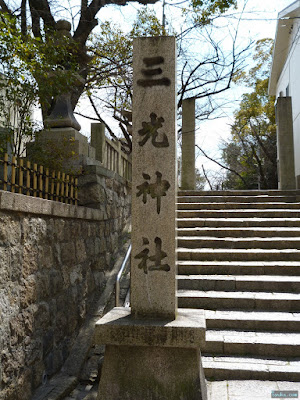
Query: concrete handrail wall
(109,152)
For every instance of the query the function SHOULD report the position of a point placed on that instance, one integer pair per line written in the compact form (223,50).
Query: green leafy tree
(22,64)
(17,90)
(44,25)
(251,152)
(45,28)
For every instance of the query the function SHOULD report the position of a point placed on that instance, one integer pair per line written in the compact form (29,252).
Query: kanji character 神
(156,190)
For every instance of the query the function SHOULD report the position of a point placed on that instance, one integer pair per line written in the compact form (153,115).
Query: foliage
(70,53)
(23,64)
(18,92)
(251,152)
(110,80)
(200,75)
(57,156)
(103,61)
(205,10)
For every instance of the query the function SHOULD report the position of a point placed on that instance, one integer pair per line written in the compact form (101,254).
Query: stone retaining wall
(54,262)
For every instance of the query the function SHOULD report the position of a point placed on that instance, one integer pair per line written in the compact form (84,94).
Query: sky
(258,21)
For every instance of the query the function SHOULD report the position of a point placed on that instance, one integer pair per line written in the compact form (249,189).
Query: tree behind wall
(44,15)
(251,151)
(20,62)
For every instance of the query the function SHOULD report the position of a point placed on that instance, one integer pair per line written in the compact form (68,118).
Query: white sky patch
(257,22)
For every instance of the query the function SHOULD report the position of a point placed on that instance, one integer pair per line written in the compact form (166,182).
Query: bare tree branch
(42,10)
(101,119)
(265,150)
(23,18)
(206,177)
(221,165)
(4,7)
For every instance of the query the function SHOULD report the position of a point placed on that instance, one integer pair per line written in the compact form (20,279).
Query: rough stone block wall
(54,259)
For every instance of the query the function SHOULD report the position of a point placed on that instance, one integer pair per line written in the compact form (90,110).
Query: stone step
(252,193)
(237,222)
(240,232)
(209,254)
(217,300)
(249,283)
(251,267)
(238,213)
(245,367)
(227,206)
(253,320)
(237,199)
(267,344)
(194,242)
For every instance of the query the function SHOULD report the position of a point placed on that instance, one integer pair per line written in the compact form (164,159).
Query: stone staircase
(239,259)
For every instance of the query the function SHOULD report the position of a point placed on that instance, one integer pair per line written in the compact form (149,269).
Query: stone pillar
(188,173)
(154,179)
(98,140)
(153,349)
(285,144)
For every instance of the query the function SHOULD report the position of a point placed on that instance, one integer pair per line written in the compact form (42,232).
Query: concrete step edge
(213,294)
(239,239)
(238,337)
(232,367)
(236,192)
(255,251)
(239,232)
(246,278)
(234,203)
(240,263)
(252,315)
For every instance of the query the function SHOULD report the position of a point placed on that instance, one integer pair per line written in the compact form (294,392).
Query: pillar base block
(152,359)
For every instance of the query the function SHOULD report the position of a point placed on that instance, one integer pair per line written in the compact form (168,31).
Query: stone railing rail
(110,153)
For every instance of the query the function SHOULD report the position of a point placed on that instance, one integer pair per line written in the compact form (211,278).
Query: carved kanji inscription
(150,130)
(156,258)
(156,190)
(152,75)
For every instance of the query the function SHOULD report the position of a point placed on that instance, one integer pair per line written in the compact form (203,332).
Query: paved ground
(249,390)
(221,390)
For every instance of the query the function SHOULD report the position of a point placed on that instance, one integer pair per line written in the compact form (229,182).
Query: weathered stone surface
(92,193)
(188,145)
(80,251)
(52,268)
(154,184)
(29,260)
(151,373)
(5,264)
(285,144)
(68,255)
(118,327)
(153,349)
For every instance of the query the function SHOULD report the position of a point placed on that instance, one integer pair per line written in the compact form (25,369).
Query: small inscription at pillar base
(151,359)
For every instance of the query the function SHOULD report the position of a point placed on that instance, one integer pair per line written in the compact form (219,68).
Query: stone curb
(67,379)
(102,171)
(34,205)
